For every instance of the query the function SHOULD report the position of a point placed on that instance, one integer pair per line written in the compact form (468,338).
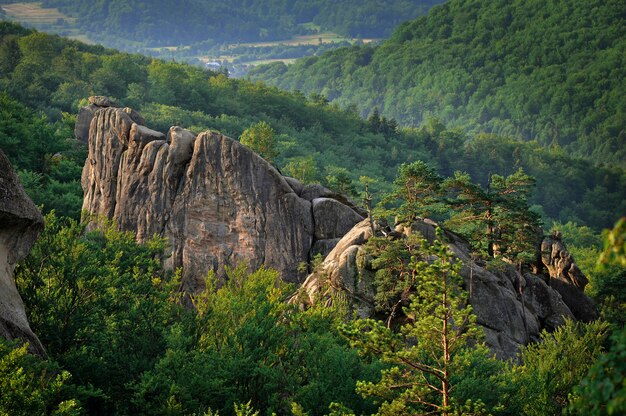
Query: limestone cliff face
(215,201)
(20,223)
(512,312)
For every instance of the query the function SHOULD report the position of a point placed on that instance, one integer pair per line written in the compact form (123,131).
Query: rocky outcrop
(511,309)
(215,201)
(20,223)
(566,278)
(86,114)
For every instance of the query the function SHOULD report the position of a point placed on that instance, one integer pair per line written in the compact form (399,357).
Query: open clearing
(34,14)
(325,37)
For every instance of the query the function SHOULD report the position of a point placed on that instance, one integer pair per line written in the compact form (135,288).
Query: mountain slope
(172,23)
(550,71)
(316,140)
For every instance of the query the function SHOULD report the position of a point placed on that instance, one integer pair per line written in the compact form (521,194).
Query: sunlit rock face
(215,201)
(511,310)
(20,224)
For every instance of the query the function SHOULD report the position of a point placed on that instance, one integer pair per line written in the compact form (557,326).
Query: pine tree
(440,324)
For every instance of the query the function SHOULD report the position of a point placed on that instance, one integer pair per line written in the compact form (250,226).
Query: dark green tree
(440,325)
(417,191)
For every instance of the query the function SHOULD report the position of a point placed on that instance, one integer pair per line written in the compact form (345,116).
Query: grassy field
(320,38)
(35,15)
(316,39)
(50,20)
(45,19)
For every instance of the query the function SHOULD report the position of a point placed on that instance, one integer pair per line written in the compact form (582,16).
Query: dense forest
(45,78)
(550,72)
(120,340)
(190,21)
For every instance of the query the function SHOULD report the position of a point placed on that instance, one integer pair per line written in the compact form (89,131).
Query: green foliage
(603,390)
(303,169)
(497,221)
(396,276)
(100,304)
(52,75)
(607,278)
(339,180)
(112,318)
(261,138)
(49,163)
(246,343)
(615,244)
(422,353)
(417,189)
(531,70)
(31,386)
(201,21)
(551,368)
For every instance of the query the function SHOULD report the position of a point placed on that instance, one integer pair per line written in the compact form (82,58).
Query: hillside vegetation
(315,140)
(120,341)
(534,70)
(189,21)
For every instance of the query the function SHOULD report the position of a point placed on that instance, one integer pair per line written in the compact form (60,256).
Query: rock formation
(86,114)
(566,278)
(20,223)
(215,201)
(496,295)
(218,204)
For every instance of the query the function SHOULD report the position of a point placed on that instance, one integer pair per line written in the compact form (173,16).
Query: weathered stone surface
(332,219)
(496,295)
(102,101)
(217,202)
(315,191)
(234,206)
(566,278)
(86,114)
(83,120)
(295,184)
(323,247)
(20,223)
(340,272)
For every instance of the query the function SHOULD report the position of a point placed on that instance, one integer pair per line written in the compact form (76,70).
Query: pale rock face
(494,294)
(566,278)
(20,224)
(85,115)
(215,201)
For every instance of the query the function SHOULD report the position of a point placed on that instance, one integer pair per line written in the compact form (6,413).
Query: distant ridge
(534,70)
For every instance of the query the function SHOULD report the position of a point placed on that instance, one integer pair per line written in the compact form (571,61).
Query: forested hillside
(314,140)
(121,340)
(534,70)
(189,21)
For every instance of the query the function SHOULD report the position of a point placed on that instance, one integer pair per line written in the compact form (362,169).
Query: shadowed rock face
(496,295)
(215,201)
(20,224)
(566,278)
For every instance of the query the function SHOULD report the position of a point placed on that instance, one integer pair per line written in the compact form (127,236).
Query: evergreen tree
(417,189)
(421,353)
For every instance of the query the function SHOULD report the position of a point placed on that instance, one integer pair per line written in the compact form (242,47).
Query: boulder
(20,224)
(102,101)
(332,219)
